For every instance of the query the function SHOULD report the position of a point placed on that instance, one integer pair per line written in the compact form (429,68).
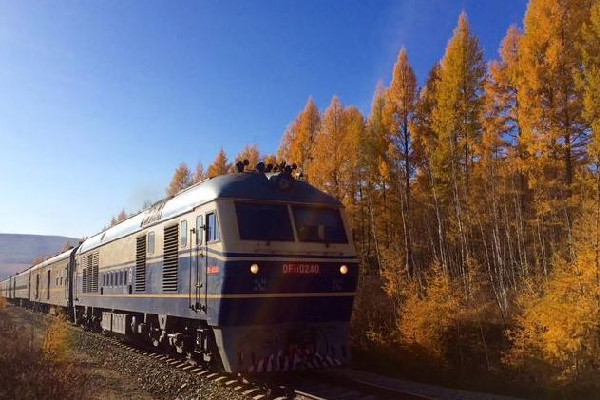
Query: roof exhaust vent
(240,165)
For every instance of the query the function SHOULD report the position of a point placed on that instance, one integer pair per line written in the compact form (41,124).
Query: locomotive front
(286,279)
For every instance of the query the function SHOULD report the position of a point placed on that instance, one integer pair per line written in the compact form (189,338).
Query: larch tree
(456,120)
(250,153)
(220,165)
(424,146)
(329,169)
(590,85)
(122,216)
(298,140)
(400,109)
(550,113)
(502,124)
(379,171)
(309,122)
(590,78)
(350,169)
(500,205)
(284,151)
(199,173)
(504,133)
(181,179)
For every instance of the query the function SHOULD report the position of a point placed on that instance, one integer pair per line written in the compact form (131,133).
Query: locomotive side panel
(135,275)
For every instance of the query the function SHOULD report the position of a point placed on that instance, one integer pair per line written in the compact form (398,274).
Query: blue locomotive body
(251,271)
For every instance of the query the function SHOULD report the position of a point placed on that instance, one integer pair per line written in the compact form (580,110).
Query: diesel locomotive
(248,272)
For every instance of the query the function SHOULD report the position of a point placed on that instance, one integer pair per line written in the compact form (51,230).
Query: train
(247,272)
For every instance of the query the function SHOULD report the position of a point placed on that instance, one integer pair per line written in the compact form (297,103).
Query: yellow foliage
(219,166)
(557,335)
(427,319)
(181,179)
(299,139)
(335,153)
(549,102)
(456,117)
(56,341)
(590,82)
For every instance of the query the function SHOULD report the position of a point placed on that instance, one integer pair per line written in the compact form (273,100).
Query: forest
(474,203)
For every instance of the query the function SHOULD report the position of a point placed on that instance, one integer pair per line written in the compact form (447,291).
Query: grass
(36,364)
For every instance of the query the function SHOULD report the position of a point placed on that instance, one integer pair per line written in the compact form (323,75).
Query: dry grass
(39,369)
(3,303)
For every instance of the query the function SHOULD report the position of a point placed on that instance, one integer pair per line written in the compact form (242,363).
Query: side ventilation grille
(90,264)
(93,264)
(170,259)
(140,264)
(84,274)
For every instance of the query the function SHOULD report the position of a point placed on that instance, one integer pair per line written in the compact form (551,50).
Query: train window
(199,228)
(183,233)
(150,245)
(212,228)
(261,221)
(318,224)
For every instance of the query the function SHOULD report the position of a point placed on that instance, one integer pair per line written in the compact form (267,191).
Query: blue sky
(101,100)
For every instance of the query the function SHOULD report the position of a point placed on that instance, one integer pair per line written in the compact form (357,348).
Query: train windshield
(318,224)
(258,221)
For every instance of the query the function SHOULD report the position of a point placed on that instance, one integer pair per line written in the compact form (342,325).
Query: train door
(63,281)
(199,282)
(48,286)
(37,286)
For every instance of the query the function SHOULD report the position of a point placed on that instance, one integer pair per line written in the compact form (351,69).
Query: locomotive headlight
(343,269)
(254,268)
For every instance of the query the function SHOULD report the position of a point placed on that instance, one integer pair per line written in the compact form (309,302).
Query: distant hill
(17,252)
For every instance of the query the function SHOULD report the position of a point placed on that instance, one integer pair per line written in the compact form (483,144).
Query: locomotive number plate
(301,269)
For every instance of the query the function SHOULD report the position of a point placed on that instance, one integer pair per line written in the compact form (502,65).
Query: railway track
(313,385)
